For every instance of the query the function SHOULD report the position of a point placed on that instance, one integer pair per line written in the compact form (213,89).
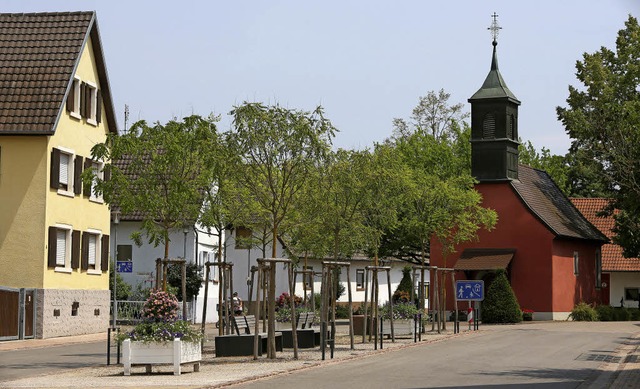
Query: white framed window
(308,277)
(91,249)
(360,279)
(91,96)
(62,250)
(204,257)
(73,99)
(98,173)
(66,168)
(576,262)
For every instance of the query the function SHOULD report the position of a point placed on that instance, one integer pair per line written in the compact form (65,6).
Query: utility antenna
(494,28)
(126,116)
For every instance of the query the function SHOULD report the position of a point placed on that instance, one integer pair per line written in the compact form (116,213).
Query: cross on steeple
(494,28)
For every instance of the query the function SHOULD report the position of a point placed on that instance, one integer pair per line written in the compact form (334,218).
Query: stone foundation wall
(71,312)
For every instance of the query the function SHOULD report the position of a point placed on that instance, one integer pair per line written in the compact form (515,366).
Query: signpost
(470,290)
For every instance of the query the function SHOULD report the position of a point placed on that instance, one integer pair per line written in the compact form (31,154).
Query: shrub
(342,311)
(285,300)
(193,282)
(527,314)
(400,311)
(404,287)
(161,332)
(635,314)
(605,312)
(123,290)
(583,312)
(160,307)
(160,324)
(501,304)
(621,314)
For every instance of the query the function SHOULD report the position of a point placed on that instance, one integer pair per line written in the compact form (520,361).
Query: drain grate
(599,358)
(632,359)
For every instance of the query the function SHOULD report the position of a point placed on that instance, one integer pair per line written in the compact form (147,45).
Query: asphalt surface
(30,362)
(555,356)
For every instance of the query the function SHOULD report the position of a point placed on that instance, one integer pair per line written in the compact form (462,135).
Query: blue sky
(365,62)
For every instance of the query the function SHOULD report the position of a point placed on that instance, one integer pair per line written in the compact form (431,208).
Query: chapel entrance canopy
(484,259)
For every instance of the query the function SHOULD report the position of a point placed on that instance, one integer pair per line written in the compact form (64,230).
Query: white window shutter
(61,247)
(64,169)
(92,250)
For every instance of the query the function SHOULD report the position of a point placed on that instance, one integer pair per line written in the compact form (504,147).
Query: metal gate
(17,313)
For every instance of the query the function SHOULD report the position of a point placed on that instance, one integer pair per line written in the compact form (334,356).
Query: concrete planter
(175,353)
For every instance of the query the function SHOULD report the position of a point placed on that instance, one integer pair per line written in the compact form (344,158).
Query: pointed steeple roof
(494,86)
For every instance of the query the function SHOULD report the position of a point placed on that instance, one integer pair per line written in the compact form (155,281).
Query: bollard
(108,346)
(118,347)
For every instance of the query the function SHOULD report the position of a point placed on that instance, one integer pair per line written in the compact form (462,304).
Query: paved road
(16,364)
(549,356)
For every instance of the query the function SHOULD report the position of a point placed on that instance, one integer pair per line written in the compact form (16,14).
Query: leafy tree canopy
(159,172)
(603,120)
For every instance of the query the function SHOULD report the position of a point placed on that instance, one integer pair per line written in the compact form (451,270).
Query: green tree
(603,121)
(277,149)
(433,115)
(194,280)
(500,304)
(160,172)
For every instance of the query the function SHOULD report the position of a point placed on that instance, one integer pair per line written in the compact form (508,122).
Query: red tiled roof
(612,258)
(543,197)
(39,53)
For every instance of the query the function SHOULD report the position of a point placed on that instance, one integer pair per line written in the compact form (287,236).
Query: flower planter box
(175,353)
(400,327)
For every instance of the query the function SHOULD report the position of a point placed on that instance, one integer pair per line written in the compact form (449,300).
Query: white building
(137,264)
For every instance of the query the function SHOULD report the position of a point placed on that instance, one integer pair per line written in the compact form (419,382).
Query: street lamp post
(116,220)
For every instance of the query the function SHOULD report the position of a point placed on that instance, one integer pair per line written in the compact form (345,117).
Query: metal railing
(130,312)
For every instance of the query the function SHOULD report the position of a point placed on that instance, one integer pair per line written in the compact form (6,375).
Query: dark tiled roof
(543,197)
(484,259)
(612,258)
(39,53)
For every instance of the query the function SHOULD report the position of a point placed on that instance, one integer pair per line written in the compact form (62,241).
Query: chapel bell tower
(494,125)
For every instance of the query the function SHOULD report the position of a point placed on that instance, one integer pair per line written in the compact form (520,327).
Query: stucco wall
(530,268)
(77,211)
(92,315)
(570,289)
(619,281)
(23,181)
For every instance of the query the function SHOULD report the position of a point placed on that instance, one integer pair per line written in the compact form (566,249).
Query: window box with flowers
(527,315)
(160,338)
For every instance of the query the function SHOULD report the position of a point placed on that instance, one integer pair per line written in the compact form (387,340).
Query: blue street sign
(470,290)
(125,267)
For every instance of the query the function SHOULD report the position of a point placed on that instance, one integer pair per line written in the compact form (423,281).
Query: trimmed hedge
(609,313)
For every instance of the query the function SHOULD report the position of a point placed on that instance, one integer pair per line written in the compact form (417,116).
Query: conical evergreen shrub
(500,304)
(403,291)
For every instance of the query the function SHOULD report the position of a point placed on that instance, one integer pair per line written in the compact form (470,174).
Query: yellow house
(55,105)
